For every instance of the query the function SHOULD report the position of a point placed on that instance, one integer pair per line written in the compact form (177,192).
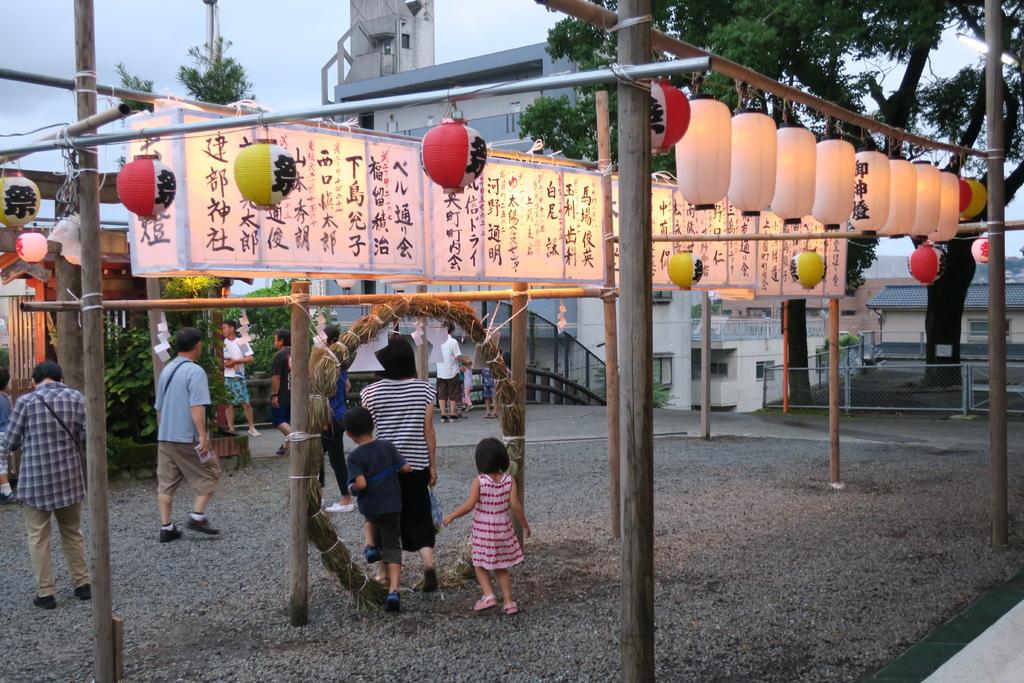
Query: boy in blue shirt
(373,467)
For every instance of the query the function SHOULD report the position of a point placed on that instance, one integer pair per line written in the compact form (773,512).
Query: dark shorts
(282,414)
(417,518)
(388,536)
(449,389)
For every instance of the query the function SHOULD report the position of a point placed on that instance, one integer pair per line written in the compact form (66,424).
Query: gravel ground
(762,573)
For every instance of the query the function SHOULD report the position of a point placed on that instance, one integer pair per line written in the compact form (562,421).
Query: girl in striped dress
(493,499)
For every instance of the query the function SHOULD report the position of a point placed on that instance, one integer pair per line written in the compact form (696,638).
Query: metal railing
(895,387)
(735,329)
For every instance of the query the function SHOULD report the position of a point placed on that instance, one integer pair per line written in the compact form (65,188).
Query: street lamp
(1008,58)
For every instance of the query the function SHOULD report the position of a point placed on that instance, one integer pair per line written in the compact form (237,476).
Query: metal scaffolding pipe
(567,80)
(86,125)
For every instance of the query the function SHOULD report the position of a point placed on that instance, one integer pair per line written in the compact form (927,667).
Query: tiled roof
(915,297)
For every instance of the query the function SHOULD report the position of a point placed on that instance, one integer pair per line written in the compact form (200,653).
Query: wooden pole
(637,617)
(996,270)
(92,350)
(705,366)
(833,392)
(517,444)
(298,609)
(69,333)
(153,292)
(785,356)
(332,300)
(611,339)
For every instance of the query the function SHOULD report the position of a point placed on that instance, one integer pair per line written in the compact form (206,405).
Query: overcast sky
(283,45)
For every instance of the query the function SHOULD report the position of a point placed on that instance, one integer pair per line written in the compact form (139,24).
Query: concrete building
(901,312)
(497,120)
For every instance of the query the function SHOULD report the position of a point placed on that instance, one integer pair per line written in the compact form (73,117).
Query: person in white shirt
(236,356)
(449,385)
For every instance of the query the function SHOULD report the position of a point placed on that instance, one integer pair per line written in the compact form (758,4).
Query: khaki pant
(37,525)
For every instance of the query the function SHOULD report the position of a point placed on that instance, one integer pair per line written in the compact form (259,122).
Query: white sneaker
(253,432)
(338,507)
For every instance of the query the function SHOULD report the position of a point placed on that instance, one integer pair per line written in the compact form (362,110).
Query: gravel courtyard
(762,574)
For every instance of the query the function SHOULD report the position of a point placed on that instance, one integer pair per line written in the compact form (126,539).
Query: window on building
(977,330)
(385,46)
(430,120)
(406,41)
(366,121)
(762,365)
(846,314)
(719,369)
(660,296)
(663,370)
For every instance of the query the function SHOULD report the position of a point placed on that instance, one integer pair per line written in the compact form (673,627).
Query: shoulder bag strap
(70,434)
(173,373)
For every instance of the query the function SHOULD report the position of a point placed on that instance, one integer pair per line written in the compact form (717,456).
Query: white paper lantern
(752,172)
(926,215)
(902,198)
(702,156)
(870,191)
(794,173)
(949,207)
(833,182)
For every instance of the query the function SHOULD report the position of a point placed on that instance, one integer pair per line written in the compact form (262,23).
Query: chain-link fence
(903,387)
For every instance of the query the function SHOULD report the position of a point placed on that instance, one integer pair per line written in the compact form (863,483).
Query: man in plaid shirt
(49,427)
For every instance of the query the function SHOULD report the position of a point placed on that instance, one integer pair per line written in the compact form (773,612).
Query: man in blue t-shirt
(374,467)
(331,437)
(183,449)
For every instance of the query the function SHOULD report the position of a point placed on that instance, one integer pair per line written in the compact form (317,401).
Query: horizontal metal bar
(965,230)
(86,125)
(332,300)
(567,80)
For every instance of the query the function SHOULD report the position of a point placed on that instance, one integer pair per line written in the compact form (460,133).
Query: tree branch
(977,117)
(877,94)
(900,103)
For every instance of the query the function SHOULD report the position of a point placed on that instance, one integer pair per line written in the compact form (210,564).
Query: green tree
(133,82)
(843,52)
(217,79)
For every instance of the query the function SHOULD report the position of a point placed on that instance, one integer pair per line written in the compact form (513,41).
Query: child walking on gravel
(493,499)
(374,466)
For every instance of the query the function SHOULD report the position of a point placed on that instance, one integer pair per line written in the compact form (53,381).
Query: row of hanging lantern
(786,171)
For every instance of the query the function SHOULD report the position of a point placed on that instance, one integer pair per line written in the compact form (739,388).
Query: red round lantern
(670,117)
(453,155)
(146,186)
(31,247)
(927,263)
(980,250)
(965,195)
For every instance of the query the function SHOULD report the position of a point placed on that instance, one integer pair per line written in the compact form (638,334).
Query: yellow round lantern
(979,198)
(265,173)
(19,201)
(808,269)
(685,270)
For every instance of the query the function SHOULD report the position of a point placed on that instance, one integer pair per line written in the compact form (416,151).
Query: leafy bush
(129,380)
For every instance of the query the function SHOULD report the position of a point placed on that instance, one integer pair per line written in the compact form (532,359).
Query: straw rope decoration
(324,368)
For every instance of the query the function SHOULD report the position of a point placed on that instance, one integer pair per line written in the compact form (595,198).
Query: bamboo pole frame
(298,480)
(611,338)
(606,20)
(833,393)
(329,300)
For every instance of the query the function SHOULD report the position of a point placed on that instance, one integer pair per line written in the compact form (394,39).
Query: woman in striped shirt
(403,410)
